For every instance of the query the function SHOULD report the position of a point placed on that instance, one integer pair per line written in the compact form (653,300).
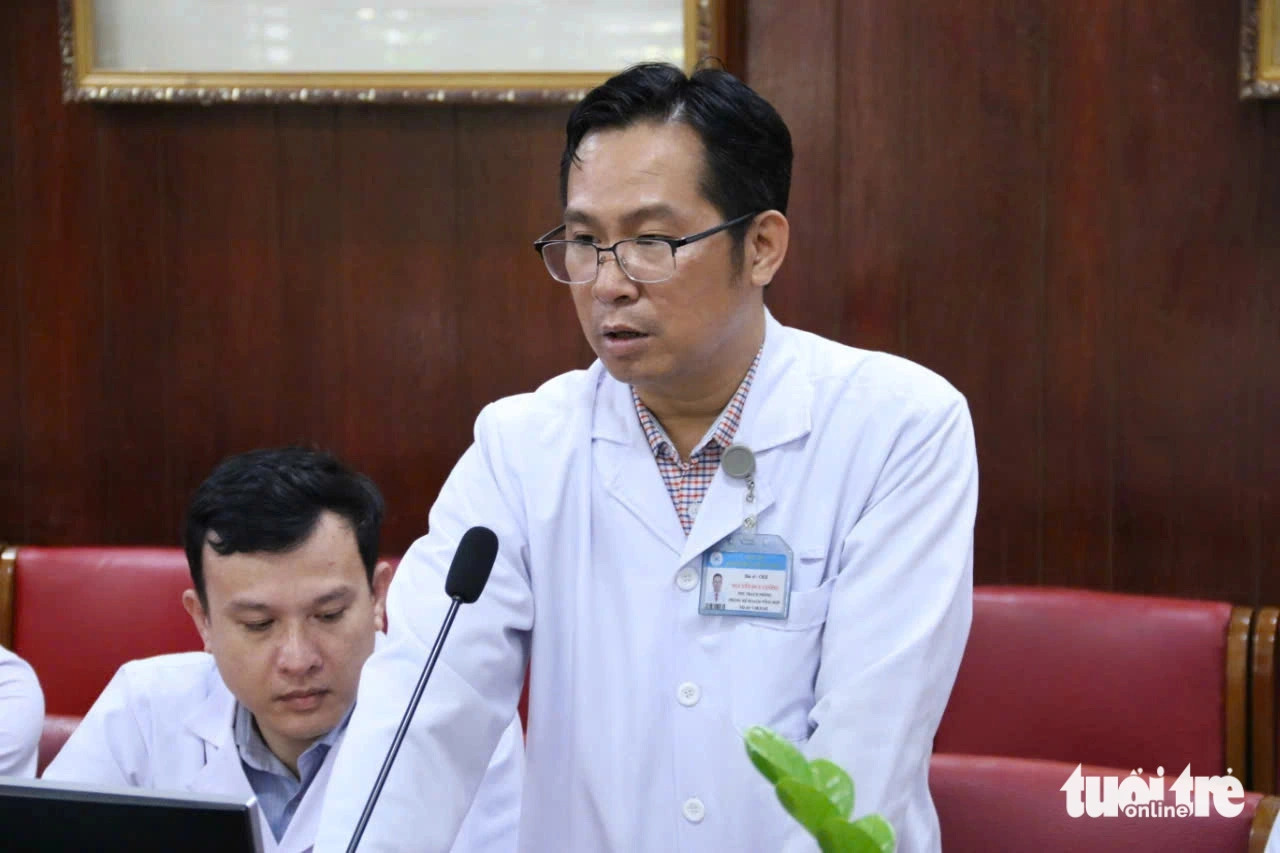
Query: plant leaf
(830,779)
(837,835)
(806,803)
(775,756)
(879,830)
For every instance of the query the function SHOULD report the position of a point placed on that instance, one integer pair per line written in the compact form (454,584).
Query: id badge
(747,574)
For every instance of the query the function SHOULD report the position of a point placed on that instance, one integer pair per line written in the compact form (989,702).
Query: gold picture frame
(1260,49)
(141,64)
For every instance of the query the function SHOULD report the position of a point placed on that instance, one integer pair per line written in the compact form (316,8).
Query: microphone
(468,573)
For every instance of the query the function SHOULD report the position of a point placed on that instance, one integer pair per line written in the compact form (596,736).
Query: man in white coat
(834,490)
(289,599)
(21,716)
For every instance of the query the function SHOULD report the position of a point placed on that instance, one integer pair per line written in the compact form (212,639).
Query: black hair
(746,143)
(270,500)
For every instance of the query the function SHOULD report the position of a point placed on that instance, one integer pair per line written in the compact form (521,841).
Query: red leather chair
(991,804)
(78,613)
(1102,678)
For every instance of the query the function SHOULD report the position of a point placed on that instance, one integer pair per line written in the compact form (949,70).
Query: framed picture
(1260,49)
(371,51)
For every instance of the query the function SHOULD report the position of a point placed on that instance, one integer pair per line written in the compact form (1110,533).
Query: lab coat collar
(777,411)
(211,721)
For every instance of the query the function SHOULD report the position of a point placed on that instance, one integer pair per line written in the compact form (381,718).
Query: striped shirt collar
(721,432)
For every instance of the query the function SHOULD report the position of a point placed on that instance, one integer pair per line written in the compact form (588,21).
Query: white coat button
(686,579)
(688,694)
(694,811)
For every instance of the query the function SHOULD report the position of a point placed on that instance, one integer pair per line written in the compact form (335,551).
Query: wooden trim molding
(8,560)
(1263,821)
(1235,737)
(1262,702)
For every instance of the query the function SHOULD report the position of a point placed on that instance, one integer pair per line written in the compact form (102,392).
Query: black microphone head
(472,563)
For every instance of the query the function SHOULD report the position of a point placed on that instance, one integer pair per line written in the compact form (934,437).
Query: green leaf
(776,757)
(837,835)
(830,779)
(879,830)
(806,803)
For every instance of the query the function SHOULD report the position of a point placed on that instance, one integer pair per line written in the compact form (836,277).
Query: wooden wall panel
(807,289)
(941,209)
(11,320)
(1079,324)
(138,366)
(1184,200)
(1061,207)
(1264,369)
(400,340)
(59,297)
(227,290)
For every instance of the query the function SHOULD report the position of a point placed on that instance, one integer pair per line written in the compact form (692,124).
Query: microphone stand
(404,726)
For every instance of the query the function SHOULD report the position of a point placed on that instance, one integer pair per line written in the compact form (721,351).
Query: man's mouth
(303,699)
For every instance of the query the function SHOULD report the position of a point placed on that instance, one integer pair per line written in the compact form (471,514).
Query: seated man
(21,716)
(288,597)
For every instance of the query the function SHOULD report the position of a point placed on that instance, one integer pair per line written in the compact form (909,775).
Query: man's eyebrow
(245,604)
(575,216)
(339,594)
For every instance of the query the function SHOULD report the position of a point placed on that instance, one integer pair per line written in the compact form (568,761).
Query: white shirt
(21,716)
(166,723)
(865,464)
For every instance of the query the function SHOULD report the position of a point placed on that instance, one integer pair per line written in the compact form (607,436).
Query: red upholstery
(56,731)
(79,613)
(1103,678)
(989,804)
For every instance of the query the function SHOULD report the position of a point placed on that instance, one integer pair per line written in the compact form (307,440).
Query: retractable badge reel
(746,573)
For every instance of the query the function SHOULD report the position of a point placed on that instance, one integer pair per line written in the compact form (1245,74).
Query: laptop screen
(54,817)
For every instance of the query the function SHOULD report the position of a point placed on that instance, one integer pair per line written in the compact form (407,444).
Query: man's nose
(612,284)
(298,653)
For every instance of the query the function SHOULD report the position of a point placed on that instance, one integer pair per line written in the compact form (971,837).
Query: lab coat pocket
(775,664)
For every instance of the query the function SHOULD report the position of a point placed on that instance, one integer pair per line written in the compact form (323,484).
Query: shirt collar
(721,432)
(256,754)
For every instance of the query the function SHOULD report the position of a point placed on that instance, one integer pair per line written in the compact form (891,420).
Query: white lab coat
(165,723)
(865,464)
(21,716)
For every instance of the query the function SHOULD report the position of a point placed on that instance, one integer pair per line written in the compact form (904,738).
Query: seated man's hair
(271,500)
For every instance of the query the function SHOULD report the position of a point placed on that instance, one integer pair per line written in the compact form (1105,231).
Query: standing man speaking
(832,489)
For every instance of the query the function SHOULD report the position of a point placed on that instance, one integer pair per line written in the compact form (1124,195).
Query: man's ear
(382,575)
(767,241)
(191,603)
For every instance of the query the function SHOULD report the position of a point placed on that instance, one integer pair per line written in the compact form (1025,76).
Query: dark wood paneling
(942,215)
(138,359)
(59,294)
(12,443)
(400,267)
(1079,324)
(807,289)
(876,258)
(1265,367)
(226,292)
(1183,277)
(1061,207)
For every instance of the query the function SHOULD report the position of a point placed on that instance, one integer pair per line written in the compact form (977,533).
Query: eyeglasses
(644,260)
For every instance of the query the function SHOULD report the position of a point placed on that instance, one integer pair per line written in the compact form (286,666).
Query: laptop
(55,817)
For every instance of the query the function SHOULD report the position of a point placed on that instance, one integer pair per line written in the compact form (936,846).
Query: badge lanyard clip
(739,463)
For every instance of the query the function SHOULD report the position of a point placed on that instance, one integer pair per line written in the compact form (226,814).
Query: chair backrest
(81,612)
(1263,720)
(988,804)
(1103,678)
